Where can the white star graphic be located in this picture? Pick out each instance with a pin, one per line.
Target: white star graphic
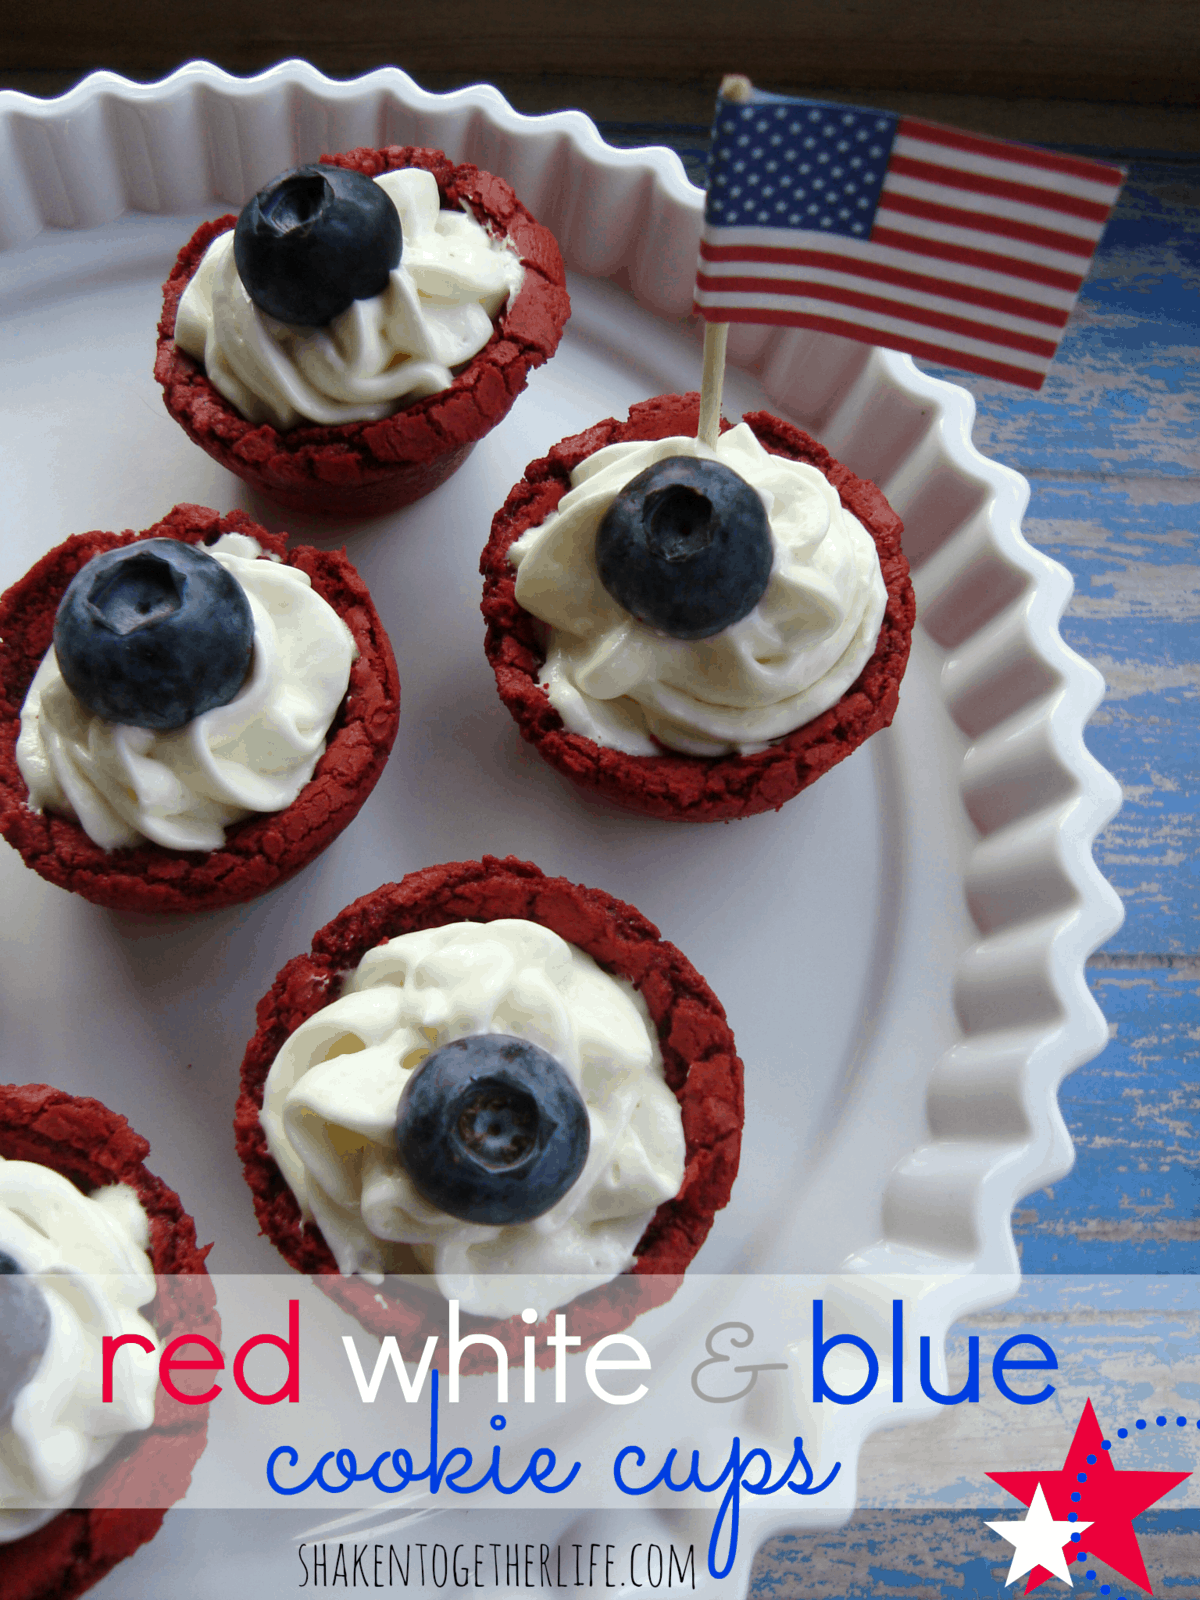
(1038, 1540)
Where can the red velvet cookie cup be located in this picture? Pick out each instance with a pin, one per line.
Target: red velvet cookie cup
(679, 787)
(264, 849)
(361, 469)
(699, 1057)
(93, 1146)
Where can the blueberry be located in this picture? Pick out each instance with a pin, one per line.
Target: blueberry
(24, 1331)
(153, 634)
(686, 547)
(490, 1129)
(313, 241)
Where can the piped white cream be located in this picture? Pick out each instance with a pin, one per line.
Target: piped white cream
(435, 314)
(621, 683)
(182, 789)
(331, 1097)
(89, 1254)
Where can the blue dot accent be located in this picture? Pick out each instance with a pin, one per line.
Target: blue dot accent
(498, 1423)
(1078, 1554)
(1104, 1588)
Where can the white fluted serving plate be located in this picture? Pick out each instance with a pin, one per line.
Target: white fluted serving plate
(901, 949)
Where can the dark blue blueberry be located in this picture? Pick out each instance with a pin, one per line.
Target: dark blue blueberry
(154, 634)
(490, 1129)
(686, 547)
(24, 1331)
(313, 241)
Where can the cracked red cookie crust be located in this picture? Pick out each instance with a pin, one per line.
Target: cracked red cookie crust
(690, 788)
(93, 1146)
(362, 469)
(264, 849)
(699, 1059)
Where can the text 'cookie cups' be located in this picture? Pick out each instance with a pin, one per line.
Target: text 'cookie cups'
(360, 469)
(93, 1147)
(266, 847)
(700, 1066)
(671, 785)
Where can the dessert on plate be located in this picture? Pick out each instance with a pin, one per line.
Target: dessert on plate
(506, 1082)
(345, 341)
(190, 714)
(90, 1243)
(696, 634)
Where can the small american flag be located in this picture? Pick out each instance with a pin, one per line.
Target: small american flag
(897, 232)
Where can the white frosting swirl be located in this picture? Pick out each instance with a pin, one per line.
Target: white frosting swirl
(184, 788)
(435, 314)
(623, 684)
(90, 1256)
(329, 1112)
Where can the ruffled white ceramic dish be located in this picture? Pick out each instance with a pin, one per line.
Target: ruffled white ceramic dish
(901, 950)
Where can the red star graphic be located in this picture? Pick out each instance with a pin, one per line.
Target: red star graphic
(1108, 1499)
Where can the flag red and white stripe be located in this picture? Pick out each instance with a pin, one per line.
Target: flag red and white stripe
(977, 250)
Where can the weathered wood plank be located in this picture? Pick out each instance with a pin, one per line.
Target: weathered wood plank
(933, 1554)
(1110, 446)
(1122, 400)
(1110, 51)
(1136, 562)
(1132, 1203)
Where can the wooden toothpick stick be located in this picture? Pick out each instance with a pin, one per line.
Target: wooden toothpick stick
(711, 382)
(736, 87)
(716, 334)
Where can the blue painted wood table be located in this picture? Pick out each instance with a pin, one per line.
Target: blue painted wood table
(1109, 446)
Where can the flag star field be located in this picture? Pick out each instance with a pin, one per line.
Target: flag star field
(814, 167)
